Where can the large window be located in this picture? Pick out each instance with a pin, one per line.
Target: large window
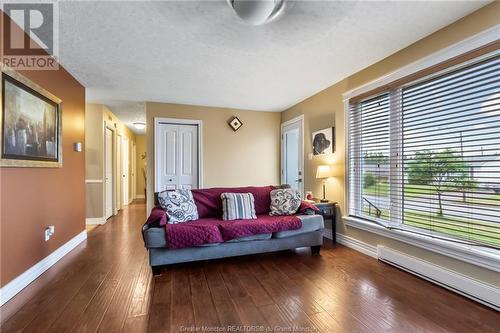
(425, 156)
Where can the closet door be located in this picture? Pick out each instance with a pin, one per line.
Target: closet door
(176, 160)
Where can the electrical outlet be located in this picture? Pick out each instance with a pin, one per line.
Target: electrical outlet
(49, 231)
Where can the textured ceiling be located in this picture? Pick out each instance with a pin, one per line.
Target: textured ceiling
(199, 52)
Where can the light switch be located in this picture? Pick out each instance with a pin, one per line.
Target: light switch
(78, 146)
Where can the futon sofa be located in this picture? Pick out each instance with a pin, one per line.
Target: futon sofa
(210, 237)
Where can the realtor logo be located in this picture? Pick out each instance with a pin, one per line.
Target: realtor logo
(29, 34)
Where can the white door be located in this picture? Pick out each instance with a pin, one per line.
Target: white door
(125, 180)
(108, 172)
(119, 182)
(292, 153)
(176, 156)
(133, 160)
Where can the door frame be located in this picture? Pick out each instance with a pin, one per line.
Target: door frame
(113, 170)
(177, 121)
(301, 150)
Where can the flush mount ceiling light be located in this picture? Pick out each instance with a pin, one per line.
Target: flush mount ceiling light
(139, 126)
(257, 12)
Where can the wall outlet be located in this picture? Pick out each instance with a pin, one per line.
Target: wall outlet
(49, 231)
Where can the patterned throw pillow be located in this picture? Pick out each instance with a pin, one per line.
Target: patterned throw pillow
(238, 206)
(284, 201)
(179, 205)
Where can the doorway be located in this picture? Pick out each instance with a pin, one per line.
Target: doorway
(292, 153)
(178, 154)
(108, 172)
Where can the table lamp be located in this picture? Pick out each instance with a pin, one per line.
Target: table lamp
(323, 172)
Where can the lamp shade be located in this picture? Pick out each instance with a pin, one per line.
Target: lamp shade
(323, 171)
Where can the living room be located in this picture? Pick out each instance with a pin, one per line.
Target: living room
(242, 165)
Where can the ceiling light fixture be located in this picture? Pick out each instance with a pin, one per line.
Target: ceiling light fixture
(139, 126)
(257, 12)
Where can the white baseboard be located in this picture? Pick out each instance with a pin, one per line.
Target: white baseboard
(95, 220)
(357, 245)
(461, 284)
(140, 196)
(19, 283)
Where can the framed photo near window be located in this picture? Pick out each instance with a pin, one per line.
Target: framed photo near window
(323, 141)
(30, 124)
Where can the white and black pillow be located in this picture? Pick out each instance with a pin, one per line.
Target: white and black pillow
(284, 201)
(238, 206)
(179, 205)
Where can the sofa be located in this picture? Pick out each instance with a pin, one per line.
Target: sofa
(277, 233)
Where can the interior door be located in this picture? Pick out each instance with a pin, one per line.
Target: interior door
(125, 171)
(176, 160)
(133, 161)
(108, 172)
(119, 162)
(292, 153)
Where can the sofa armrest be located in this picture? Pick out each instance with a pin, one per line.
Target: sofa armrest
(154, 237)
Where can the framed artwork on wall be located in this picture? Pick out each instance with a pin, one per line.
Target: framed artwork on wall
(323, 141)
(31, 132)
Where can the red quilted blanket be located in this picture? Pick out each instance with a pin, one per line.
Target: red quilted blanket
(215, 230)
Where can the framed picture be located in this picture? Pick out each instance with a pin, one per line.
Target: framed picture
(235, 123)
(30, 124)
(323, 141)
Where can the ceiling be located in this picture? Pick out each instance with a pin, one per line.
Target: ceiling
(200, 53)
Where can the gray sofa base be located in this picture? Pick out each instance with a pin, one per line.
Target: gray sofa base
(163, 256)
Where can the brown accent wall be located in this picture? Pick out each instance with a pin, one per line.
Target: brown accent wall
(33, 198)
(326, 108)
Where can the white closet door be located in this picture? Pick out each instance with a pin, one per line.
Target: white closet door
(176, 157)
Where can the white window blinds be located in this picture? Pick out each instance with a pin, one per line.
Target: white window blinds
(425, 157)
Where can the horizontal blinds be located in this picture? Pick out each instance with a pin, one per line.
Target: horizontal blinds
(451, 153)
(369, 135)
(425, 157)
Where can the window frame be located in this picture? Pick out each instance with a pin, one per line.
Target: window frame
(482, 257)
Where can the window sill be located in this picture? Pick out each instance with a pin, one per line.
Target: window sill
(478, 257)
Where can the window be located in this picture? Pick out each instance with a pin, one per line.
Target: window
(424, 157)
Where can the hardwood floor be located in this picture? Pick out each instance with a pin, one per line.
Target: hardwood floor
(106, 285)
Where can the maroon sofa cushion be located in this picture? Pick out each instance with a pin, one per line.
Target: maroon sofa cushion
(209, 203)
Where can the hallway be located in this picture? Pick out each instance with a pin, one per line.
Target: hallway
(105, 285)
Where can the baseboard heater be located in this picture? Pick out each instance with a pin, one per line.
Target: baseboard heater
(479, 291)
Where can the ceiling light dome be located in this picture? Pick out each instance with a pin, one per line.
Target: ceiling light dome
(257, 12)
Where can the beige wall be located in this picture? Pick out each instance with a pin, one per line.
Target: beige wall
(249, 156)
(326, 109)
(141, 165)
(98, 116)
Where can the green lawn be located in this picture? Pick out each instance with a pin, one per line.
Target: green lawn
(464, 228)
(382, 189)
(485, 232)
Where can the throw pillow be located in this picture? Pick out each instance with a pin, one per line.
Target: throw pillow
(284, 201)
(179, 205)
(238, 206)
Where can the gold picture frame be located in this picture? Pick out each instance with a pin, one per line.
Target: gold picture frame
(52, 148)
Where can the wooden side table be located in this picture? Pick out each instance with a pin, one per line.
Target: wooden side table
(327, 210)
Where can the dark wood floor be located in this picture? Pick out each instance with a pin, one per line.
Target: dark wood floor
(106, 285)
